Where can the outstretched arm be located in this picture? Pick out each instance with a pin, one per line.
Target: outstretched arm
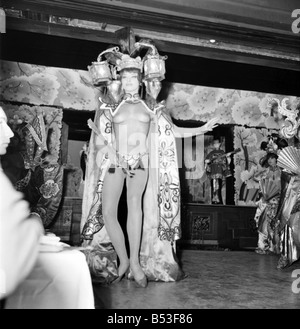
(180, 132)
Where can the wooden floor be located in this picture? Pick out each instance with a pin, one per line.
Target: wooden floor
(215, 279)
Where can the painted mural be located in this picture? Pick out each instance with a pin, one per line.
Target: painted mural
(238, 107)
(246, 162)
(73, 89)
(41, 85)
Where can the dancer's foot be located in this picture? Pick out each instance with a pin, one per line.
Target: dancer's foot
(139, 276)
(122, 271)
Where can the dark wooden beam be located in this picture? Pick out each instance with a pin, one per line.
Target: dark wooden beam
(264, 38)
(125, 38)
(156, 11)
(253, 58)
(59, 30)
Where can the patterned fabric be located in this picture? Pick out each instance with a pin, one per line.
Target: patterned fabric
(49, 183)
(266, 213)
(161, 203)
(33, 161)
(289, 219)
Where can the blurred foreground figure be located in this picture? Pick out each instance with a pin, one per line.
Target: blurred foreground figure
(20, 231)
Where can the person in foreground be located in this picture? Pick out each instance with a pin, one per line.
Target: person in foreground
(20, 230)
(140, 149)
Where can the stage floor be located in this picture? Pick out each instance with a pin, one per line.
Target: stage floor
(215, 279)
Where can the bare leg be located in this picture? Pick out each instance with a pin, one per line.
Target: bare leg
(135, 188)
(112, 190)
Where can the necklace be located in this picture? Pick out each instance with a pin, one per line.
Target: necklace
(129, 98)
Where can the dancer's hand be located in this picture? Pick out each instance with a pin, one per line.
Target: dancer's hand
(211, 124)
(128, 172)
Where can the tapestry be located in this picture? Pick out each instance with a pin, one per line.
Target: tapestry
(32, 161)
(20, 115)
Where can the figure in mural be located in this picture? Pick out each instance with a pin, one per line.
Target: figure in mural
(217, 169)
(140, 150)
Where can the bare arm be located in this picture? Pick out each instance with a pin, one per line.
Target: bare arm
(180, 132)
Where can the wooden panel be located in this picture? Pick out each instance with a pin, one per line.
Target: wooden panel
(258, 15)
(229, 226)
(233, 12)
(59, 30)
(63, 221)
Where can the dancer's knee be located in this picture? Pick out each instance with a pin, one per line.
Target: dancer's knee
(134, 200)
(109, 215)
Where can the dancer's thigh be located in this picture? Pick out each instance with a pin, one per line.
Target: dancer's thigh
(136, 184)
(112, 190)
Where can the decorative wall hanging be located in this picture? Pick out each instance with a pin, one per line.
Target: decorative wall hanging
(32, 160)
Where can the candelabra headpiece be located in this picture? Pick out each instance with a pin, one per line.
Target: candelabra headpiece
(105, 72)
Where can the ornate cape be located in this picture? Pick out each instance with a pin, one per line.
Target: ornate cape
(161, 202)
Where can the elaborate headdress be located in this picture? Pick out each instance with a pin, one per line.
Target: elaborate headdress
(105, 72)
(127, 62)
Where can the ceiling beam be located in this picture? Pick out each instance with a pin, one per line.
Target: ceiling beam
(121, 14)
(253, 57)
(60, 30)
(164, 42)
